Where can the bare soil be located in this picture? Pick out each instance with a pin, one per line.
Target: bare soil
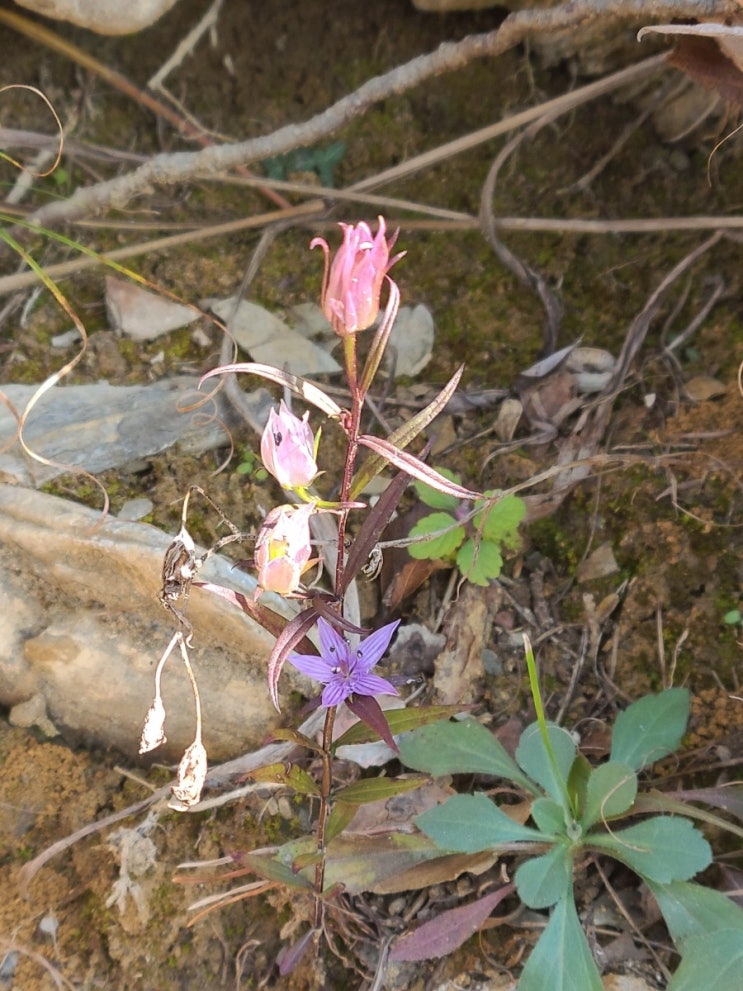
(672, 517)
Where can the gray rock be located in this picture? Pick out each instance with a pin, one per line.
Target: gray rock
(81, 627)
(100, 426)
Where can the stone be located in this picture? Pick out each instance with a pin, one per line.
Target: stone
(81, 627)
(102, 16)
(100, 426)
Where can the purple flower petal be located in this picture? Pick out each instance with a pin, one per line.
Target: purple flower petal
(373, 647)
(313, 666)
(335, 692)
(372, 684)
(332, 645)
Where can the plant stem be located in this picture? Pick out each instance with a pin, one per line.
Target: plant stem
(326, 782)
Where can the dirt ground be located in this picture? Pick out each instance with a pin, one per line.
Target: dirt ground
(671, 514)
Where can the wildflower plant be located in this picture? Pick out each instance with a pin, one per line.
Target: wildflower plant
(286, 560)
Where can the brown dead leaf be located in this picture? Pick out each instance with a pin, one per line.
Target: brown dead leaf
(703, 60)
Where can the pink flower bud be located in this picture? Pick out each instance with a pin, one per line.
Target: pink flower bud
(283, 548)
(288, 448)
(353, 282)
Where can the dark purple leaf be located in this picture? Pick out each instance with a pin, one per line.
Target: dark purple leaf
(287, 640)
(447, 931)
(370, 712)
(371, 529)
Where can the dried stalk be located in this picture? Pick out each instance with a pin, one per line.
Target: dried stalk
(169, 169)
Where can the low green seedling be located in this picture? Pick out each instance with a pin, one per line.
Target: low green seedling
(577, 809)
(475, 547)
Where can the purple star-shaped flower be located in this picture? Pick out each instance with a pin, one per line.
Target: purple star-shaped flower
(343, 669)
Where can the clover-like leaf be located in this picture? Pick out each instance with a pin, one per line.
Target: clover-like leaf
(500, 522)
(434, 498)
(479, 561)
(438, 535)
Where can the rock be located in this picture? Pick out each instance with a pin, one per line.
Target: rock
(100, 426)
(103, 16)
(143, 315)
(80, 627)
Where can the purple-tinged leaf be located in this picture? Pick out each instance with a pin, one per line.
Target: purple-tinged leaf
(331, 615)
(290, 956)
(287, 640)
(729, 797)
(401, 437)
(447, 932)
(308, 391)
(415, 467)
(370, 712)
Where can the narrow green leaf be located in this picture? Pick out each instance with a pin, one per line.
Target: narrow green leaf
(480, 562)
(610, 791)
(287, 774)
(274, 870)
(377, 789)
(500, 523)
(713, 962)
(435, 499)
(340, 816)
(533, 757)
(562, 959)
(470, 823)
(463, 747)
(400, 721)
(543, 881)
(693, 910)
(650, 728)
(438, 536)
(663, 848)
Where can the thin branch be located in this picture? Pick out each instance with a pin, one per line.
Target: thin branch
(168, 169)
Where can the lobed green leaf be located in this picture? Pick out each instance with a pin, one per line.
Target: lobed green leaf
(562, 959)
(664, 848)
(438, 536)
(470, 823)
(543, 881)
(650, 728)
(462, 747)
